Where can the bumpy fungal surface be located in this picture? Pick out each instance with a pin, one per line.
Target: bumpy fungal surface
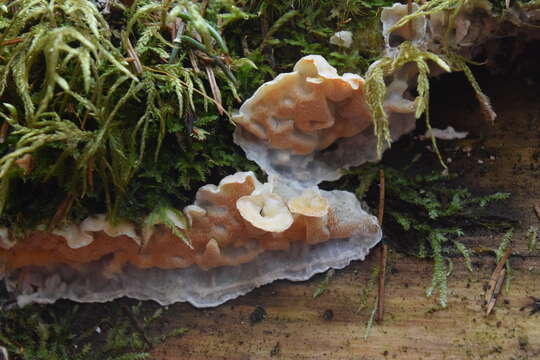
(415, 31)
(241, 234)
(308, 125)
(306, 110)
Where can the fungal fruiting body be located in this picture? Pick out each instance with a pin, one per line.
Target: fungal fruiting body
(301, 128)
(308, 125)
(239, 235)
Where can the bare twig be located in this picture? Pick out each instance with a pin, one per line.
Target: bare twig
(380, 213)
(133, 54)
(409, 11)
(536, 208)
(215, 89)
(61, 211)
(383, 252)
(11, 41)
(496, 280)
(496, 290)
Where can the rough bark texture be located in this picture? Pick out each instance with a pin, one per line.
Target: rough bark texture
(297, 326)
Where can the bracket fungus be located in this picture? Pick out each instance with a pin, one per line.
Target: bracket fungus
(265, 210)
(301, 128)
(308, 125)
(415, 31)
(242, 233)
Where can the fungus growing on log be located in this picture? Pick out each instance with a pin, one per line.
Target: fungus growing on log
(301, 128)
(308, 125)
(240, 223)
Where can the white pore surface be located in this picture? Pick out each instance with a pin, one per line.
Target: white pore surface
(199, 287)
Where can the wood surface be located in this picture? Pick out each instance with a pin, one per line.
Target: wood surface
(504, 157)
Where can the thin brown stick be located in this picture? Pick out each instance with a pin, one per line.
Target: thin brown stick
(496, 291)
(133, 54)
(495, 281)
(383, 252)
(216, 93)
(382, 275)
(380, 213)
(11, 41)
(537, 210)
(61, 211)
(409, 11)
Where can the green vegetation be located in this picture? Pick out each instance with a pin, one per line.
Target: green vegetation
(126, 112)
(324, 284)
(98, 130)
(426, 215)
(70, 332)
(449, 60)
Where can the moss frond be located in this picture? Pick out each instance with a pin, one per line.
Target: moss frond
(376, 87)
(430, 8)
(423, 210)
(94, 126)
(172, 219)
(459, 63)
(532, 238)
(375, 95)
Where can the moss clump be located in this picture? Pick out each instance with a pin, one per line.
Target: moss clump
(110, 121)
(67, 332)
(125, 111)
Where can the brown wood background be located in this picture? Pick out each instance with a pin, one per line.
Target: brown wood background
(414, 326)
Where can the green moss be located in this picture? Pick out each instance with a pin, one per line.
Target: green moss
(121, 115)
(426, 214)
(67, 332)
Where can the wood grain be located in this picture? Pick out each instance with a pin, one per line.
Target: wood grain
(504, 157)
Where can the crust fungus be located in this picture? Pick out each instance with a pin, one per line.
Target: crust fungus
(308, 125)
(243, 234)
(415, 31)
(306, 110)
(310, 203)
